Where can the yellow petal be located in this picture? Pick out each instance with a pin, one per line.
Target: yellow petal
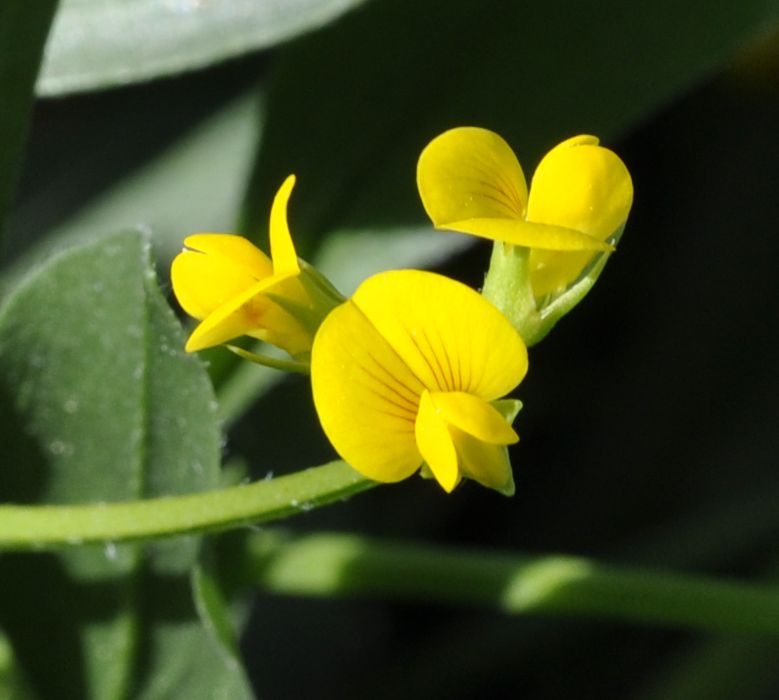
(468, 173)
(581, 185)
(552, 272)
(282, 324)
(475, 416)
(285, 259)
(449, 336)
(487, 464)
(240, 315)
(435, 443)
(213, 268)
(529, 235)
(365, 395)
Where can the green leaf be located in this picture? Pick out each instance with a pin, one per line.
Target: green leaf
(213, 609)
(12, 685)
(23, 29)
(99, 403)
(143, 39)
(180, 655)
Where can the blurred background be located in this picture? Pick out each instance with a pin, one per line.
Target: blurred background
(649, 427)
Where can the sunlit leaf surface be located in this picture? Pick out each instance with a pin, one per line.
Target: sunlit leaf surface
(97, 44)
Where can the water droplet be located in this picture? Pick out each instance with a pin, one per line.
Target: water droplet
(110, 551)
(60, 448)
(36, 360)
(71, 405)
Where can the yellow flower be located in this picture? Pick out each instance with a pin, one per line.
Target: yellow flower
(412, 369)
(234, 289)
(470, 181)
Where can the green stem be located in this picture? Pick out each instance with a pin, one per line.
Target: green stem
(36, 527)
(507, 286)
(339, 564)
(272, 362)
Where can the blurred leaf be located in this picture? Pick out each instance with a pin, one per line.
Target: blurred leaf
(213, 610)
(534, 72)
(99, 403)
(181, 656)
(23, 29)
(97, 44)
(196, 184)
(348, 257)
(12, 686)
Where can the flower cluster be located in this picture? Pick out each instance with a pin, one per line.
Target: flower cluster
(412, 371)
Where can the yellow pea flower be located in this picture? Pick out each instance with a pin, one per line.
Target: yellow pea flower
(552, 241)
(412, 369)
(235, 289)
(470, 181)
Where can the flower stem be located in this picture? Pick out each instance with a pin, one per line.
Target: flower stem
(507, 286)
(38, 527)
(272, 362)
(332, 564)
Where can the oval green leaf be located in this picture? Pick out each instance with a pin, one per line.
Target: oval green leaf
(99, 403)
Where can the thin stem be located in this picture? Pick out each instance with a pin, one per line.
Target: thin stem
(37, 527)
(272, 362)
(339, 564)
